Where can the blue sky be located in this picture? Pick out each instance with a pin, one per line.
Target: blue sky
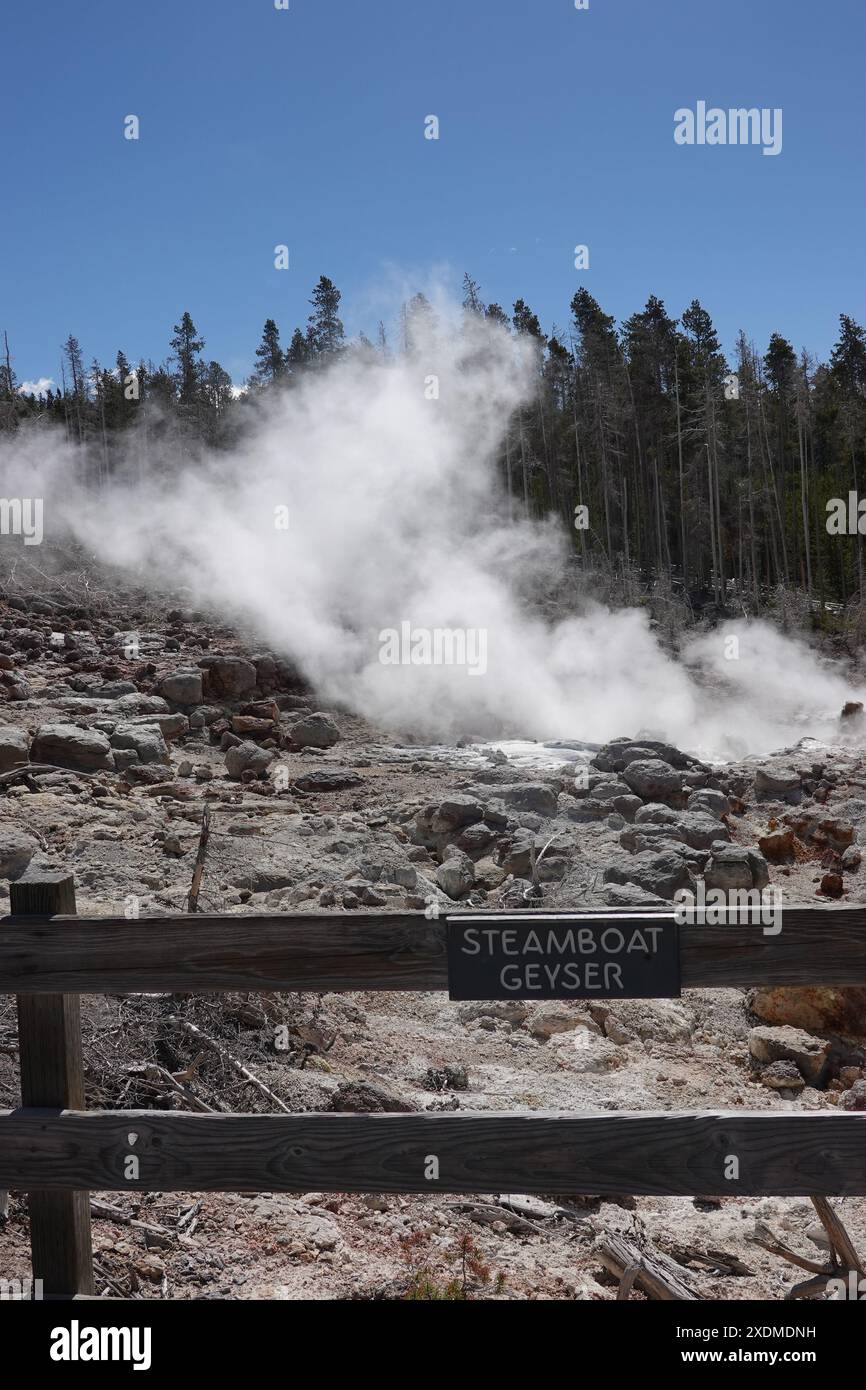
(306, 127)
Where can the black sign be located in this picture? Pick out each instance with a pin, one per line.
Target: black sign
(562, 957)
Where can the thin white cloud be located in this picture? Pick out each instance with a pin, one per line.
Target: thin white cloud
(36, 388)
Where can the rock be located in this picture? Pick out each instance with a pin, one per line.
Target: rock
(262, 709)
(362, 1097)
(125, 758)
(456, 875)
(855, 1098)
(851, 859)
(616, 755)
(735, 866)
(267, 673)
(248, 726)
(653, 780)
(146, 740)
(476, 839)
(327, 780)
(661, 874)
(14, 746)
(815, 1008)
(531, 796)
(712, 802)
(510, 1011)
(67, 745)
(777, 846)
(454, 812)
(653, 1020)
(315, 731)
(154, 775)
(852, 709)
(169, 725)
(17, 848)
(777, 786)
(782, 1076)
(296, 1221)
(558, 1018)
(182, 687)
(227, 677)
(695, 828)
(810, 1055)
(838, 833)
(247, 757)
(629, 895)
(832, 885)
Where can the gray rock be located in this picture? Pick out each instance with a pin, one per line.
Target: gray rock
(627, 806)
(125, 758)
(14, 745)
(316, 730)
(247, 757)
(362, 1097)
(146, 739)
(694, 828)
(531, 796)
(782, 1076)
(810, 1055)
(734, 866)
(326, 780)
(653, 780)
(456, 875)
(777, 785)
(661, 874)
(69, 746)
(584, 812)
(17, 848)
(227, 677)
(712, 802)
(182, 687)
(629, 895)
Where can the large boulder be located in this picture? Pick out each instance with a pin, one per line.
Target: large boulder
(653, 780)
(182, 687)
(227, 677)
(247, 757)
(772, 784)
(530, 796)
(14, 746)
(711, 802)
(661, 874)
(456, 875)
(67, 745)
(815, 1008)
(695, 828)
(316, 730)
(17, 848)
(810, 1055)
(327, 779)
(735, 866)
(145, 739)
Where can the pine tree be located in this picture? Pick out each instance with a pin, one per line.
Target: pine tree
(186, 346)
(270, 359)
(325, 332)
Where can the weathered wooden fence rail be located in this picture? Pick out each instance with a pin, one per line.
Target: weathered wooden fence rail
(379, 951)
(671, 1153)
(58, 1152)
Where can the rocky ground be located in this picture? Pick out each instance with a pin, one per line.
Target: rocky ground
(123, 719)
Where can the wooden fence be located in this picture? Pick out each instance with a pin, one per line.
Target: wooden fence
(58, 1152)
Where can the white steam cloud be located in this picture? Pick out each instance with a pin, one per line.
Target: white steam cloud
(391, 521)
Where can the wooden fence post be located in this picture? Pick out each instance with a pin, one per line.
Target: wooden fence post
(52, 1076)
